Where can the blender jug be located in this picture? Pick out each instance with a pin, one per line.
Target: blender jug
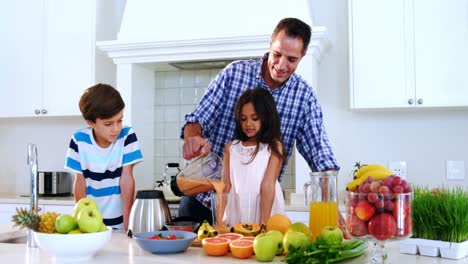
(321, 195)
(200, 175)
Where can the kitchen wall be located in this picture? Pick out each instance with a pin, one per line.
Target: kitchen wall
(424, 138)
(50, 134)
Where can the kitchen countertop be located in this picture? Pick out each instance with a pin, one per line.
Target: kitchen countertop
(122, 249)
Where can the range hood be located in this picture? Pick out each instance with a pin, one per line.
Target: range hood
(171, 35)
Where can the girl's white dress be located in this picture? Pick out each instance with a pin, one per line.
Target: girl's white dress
(246, 180)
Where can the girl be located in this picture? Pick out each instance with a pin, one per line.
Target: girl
(255, 156)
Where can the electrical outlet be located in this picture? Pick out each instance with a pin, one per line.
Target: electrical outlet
(455, 169)
(398, 168)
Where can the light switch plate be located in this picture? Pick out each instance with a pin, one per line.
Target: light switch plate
(455, 169)
(398, 168)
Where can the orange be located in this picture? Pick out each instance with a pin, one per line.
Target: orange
(278, 222)
(215, 246)
(249, 238)
(241, 248)
(231, 236)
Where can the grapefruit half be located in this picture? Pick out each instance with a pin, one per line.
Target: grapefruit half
(216, 246)
(241, 249)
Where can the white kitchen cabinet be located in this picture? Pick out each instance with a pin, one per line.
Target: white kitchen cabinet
(69, 52)
(48, 56)
(408, 53)
(21, 53)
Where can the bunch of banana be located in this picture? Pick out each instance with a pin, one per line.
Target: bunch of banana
(376, 171)
(206, 230)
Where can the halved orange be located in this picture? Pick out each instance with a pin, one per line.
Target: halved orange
(216, 246)
(231, 236)
(241, 248)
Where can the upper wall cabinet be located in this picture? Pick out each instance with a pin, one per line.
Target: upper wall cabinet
(48, 56)
(408, 53)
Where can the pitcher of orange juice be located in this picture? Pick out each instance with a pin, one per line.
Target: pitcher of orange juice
(321, 195)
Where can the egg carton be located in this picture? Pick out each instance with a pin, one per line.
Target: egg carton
(434, 248)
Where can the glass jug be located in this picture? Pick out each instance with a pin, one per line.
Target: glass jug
(200, 175)
(321, 195)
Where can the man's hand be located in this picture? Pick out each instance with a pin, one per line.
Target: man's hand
(194, 147)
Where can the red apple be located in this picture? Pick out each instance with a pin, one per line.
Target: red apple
(382, 226)
(356, 226)
(364, 210)
(400, 210)
(404, 228)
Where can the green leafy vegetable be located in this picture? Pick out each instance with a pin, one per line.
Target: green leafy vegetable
(321, 252)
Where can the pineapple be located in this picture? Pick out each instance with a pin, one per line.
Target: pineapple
(26, 219)
(47, 223)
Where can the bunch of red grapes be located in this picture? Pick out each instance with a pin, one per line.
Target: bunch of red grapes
(381, 209)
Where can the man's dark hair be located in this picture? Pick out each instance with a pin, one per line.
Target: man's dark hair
(294, 28)
(100, 101)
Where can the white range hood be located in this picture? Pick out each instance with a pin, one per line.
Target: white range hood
(154, 34)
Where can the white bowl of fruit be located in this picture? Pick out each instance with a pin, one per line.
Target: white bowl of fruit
(76, 237)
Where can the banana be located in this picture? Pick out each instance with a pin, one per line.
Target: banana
(203, 230)
(371, 167)
(377, 174)
(352, 185)
(212, 232)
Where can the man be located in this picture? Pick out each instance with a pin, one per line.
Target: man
(212, 124)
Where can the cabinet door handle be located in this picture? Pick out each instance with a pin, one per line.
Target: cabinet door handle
(410, 101)
(44, 111)
(420, 101)
(37, 111)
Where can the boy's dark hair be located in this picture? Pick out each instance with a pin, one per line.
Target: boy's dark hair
(294, 28)
(100, 101)
(265, 106)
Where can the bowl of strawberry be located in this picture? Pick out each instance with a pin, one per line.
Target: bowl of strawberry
(164, 242)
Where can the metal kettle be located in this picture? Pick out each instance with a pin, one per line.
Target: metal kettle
(149, 212)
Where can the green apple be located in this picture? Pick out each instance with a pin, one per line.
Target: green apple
(89, 220)
(295, 239)
(300, 227)
(265, 247)
(278, 236)
(65, 223)
(76, 231)
(332, 235)
(82, 203)
(103, 227)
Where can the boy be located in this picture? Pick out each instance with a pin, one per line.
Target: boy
(103, 155)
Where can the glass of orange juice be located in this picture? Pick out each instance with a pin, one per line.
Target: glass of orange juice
(321, 195)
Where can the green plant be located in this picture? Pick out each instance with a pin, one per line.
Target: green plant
(440, 214)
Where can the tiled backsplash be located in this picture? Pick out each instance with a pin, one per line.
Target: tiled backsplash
(178, 93)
